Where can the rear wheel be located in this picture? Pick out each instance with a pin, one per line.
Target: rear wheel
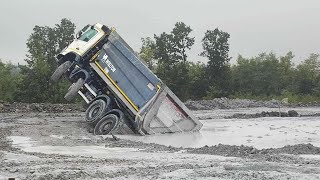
(74, 88)
(95, 111)
(106, 125)
(60, 71)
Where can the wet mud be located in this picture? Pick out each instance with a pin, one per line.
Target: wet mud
(59, 146)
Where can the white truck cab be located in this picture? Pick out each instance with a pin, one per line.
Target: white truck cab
(85, 40)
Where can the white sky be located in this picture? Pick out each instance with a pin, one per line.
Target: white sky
(255, 26)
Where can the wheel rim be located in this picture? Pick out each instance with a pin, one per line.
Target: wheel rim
(107, 127)
(95, 112)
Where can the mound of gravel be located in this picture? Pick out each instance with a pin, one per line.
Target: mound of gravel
(38, 107)
(291, 113)
(225, 103)
(245, 151)
(296, 149)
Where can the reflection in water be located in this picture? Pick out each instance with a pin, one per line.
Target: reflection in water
(187, 139)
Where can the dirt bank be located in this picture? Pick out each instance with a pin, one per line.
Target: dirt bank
(226, 103)
(15, 107)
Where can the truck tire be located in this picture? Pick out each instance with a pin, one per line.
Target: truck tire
(73, 89)
(60, 71)
(106, 125)
(96, 111)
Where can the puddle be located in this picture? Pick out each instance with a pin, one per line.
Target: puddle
(259, 133)
(27, 145)
(21, 141)
(57, 136)
(112, 153)
(20, 157)
(310, 156)
(97, 151)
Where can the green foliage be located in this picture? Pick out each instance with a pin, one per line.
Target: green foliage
(147, 52)
(258, 75)
(270, 77)
(264, 77)
(307, 76)
(197, 81)
(10, 77)
(216, 49)
(265, 74)
(170, 52)
(43, 44)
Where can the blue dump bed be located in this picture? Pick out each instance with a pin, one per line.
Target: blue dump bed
(142, 94)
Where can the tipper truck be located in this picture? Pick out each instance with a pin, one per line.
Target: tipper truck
(122, 93)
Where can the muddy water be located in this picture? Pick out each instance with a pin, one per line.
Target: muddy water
(100, 151)
(259, 133)
(221, 113)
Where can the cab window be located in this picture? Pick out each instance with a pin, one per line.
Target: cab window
(88, 35)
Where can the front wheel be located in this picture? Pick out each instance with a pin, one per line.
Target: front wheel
(74, 88)
(106, 125)
(60, 71)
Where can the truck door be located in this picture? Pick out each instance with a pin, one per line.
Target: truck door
(88, 39)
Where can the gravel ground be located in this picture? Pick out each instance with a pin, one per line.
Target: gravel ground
(226, 103)
(58, 146)
(217, 103)
(14, 107)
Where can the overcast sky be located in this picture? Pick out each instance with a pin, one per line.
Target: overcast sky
(255, 26)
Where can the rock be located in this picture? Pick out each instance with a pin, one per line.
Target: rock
(90, 130)
(285, 101)
(115, 137)
(254, 151)
(293, 113)
(13, 170)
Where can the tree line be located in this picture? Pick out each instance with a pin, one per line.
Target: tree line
(264, 76)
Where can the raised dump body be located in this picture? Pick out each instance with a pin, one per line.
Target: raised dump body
(122, 92)
(152, 103)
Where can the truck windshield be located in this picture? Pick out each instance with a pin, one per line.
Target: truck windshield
(88, 35)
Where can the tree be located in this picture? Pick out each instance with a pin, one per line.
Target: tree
(308, 76)
(43, 44)
(164, 56)
(197, 81)
(147, 52)
(181, 41)
(286, 69)
(170, 52)
(264, 75)
(8, 82)
(216, 49)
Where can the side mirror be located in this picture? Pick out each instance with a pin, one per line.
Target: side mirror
(78, 35)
